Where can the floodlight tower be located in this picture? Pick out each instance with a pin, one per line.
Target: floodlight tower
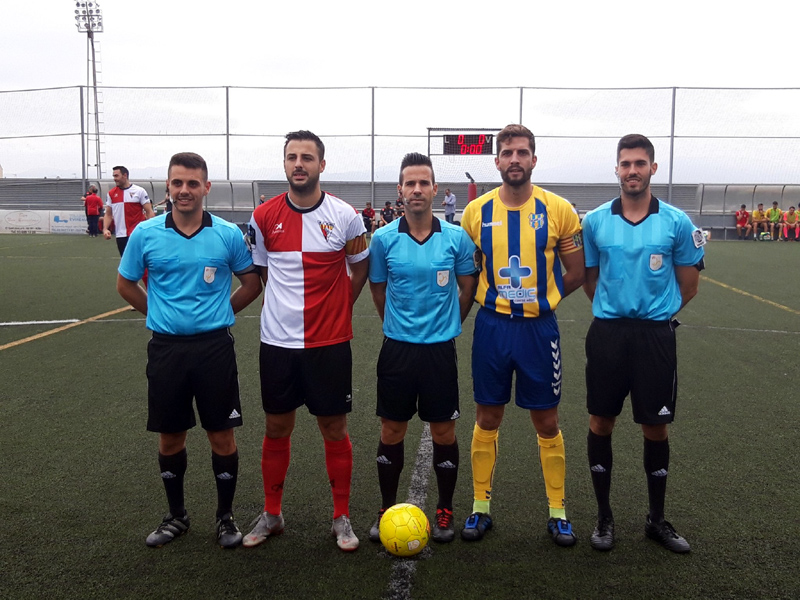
(89, 20)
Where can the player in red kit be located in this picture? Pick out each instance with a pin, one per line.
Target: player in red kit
(305, 241)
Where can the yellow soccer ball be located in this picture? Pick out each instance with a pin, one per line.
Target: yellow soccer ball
(404, 530)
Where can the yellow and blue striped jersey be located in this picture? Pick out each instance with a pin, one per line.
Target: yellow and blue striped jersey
(521, 270)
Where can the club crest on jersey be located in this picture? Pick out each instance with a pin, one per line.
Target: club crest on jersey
(326, 228)
(209, 273)
(536, 221)
(442, 278)
(656, 260)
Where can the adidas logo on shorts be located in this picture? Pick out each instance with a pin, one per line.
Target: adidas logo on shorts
(664, 412)
(235, 414)
(597, 469)
(659, 473)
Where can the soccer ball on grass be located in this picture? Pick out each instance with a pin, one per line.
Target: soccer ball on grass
(404, 530)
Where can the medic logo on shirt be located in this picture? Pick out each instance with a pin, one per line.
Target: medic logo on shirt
(656, 260)
(209, 273)
(326, 228)
(536, 221)
(442, 278)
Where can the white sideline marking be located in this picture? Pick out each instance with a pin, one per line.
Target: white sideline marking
(12, 323)
(62, 328)
(399, 587)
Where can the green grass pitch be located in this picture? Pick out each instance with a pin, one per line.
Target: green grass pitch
(80, 487)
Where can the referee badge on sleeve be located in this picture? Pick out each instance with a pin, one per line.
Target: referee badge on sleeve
(656, 260)
(698, 238)
(209, 273)
(442, 278)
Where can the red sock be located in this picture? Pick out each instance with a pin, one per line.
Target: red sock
(275, 454)
(339, 462)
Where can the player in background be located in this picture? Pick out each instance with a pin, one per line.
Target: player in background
(422, 275)
(526, 234)
(304, 240)
(368, 214)
(774, 216)
(189, 306)
(643, 263)
(449, 204)
(743, 225)
(791, 222)
(127, 205)
(94, 207)
(759, 221)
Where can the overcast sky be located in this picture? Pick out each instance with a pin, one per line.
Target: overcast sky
(705, 43)
(610, 44)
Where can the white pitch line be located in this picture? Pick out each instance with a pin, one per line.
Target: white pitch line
(13, 323)
(399, 587)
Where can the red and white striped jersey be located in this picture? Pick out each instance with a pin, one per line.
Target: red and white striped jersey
(127, 208)
(308, 300)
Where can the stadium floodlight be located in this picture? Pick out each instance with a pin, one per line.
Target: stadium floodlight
(88, 17)
(471, 180)
(89, 20)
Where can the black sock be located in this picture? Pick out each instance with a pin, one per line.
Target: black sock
(656, 466)
(445, 465)
(173, 468)
(226, 471)
(601, 460)
(390, 464)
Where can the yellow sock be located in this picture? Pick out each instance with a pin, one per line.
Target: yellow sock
(484, 458)
(553, 459)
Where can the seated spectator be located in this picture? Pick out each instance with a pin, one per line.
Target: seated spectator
(774, 216)
(368, 214)
(791, 222)
(743, 222)
(759, 220)
(387, 214)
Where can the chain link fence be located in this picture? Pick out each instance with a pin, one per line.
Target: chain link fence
(702, 136)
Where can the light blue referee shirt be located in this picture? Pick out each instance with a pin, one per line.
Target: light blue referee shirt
(637, 261)
(421, 288)
(189, 278)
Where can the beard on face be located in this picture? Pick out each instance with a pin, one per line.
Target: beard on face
(644, 182)
(526, 177)
(307, 186)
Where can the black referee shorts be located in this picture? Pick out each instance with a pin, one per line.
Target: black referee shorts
(414, 377)
(636, 357)
(183, 367)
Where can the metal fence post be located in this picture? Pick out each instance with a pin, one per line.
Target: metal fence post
(372, 152)
(83, 146)
(671, 146)
(228, 134)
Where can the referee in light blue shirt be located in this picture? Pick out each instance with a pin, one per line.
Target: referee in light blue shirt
(190, 256)
(643, 262)
(422, 278)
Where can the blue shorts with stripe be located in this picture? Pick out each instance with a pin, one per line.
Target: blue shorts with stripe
(530, 347)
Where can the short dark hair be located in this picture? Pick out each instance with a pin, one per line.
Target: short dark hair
(121, 169)
(636, 140)
(415, 159)
(304, 135)
(190, 160)
(512, 131)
